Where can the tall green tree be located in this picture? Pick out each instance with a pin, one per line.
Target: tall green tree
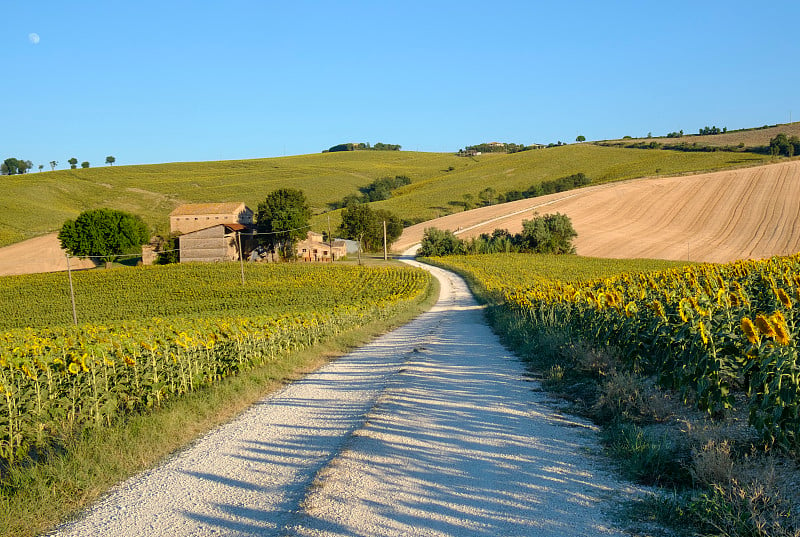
(73, 163)
(283, 218)
(53, 164)
(358, 221)
(85, 164)
(104, 233)
(10, 166)
(361, 223)
(110, 160)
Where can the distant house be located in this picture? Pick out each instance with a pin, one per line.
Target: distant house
(313, 248)
(196, 216)
(218, 242)
(496, 144)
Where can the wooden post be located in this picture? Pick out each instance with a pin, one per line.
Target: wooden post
(72, 293)
(385, 257)
(241, 253)
(330, 239)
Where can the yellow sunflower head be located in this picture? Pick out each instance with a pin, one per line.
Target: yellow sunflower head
(784, 298)
(750, 331)
(763, 325)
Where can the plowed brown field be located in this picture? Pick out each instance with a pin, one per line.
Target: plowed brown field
(41, 254)
(714, 217)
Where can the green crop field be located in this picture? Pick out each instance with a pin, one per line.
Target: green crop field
(39, 203)
(152, 333)
(500, 272)
(193, 290)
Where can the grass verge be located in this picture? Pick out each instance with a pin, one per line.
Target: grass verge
(36, 497)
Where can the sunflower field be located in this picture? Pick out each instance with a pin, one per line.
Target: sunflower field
(57, 378)
(724, 335)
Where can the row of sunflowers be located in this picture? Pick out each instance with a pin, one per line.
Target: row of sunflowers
(62, 378)
(724, 335)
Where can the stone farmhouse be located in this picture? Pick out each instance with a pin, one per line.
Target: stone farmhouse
(313, 248)
(194, 216)
(212, 231)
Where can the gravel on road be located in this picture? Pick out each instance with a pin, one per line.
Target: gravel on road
(432, 429)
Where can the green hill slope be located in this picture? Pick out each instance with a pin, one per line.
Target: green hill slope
(38, 203)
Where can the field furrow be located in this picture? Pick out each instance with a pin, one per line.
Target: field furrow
(714, 217)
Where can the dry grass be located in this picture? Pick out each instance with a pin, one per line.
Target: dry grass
(749, 137)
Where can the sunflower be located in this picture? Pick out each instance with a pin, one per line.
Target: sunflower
(763, 325)
(750, 331)
(658, 308)
(778, 323)
(784, 298)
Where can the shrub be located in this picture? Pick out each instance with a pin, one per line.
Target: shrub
(648, 459)
(436, 242)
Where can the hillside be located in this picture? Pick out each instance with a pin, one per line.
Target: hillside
(751, 138)
(38, 203)
(713, 217)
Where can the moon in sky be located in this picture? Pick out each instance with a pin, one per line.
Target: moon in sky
(33, 38)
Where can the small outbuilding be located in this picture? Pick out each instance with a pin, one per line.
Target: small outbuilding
(215, 243)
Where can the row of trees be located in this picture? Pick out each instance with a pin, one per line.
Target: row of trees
(547, 234)
(380, 146)
(712, 130)
(489, 196)
(506, 147)
(378, 190)
(14, 166)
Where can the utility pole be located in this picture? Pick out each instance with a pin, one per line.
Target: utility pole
(241, 253)
(385, 257)
(72, 293)
(330, 239)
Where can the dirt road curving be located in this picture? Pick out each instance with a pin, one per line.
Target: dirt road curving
(432, 429)
(713, 217)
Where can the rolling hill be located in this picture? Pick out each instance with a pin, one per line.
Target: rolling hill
(38, 203)
(748, 138)
(713, 217)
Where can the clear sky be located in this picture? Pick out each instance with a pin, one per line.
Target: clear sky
(163, 81)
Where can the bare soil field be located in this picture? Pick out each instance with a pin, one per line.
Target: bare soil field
(41, 254)
(714, 217)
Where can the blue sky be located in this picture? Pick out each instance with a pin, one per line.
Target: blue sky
(165, 81)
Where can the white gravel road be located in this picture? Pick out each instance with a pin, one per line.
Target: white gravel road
(430, 430)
